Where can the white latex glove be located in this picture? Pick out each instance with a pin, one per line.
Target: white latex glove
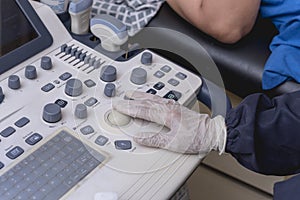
(190, 132)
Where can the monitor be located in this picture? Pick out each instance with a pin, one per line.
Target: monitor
(22, 33)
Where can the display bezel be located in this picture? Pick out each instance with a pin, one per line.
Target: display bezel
(31, 48)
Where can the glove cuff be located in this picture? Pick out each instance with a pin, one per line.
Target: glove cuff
(221, 133)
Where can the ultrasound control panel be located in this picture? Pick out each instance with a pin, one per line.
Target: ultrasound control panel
(60, 137)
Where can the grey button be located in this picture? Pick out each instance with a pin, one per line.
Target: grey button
(101, 140)
(33, 139)
(14, 82)
(166, 68)
(159, 74)
(91, 101)
(15, 152)
(123, 144)
(181, 75)
(87, 130)
(159, 86)
(138, 76)
(65, 76)
(22, 122)
(173, 82)
(8, 131)
(48, 87)
(89, 83)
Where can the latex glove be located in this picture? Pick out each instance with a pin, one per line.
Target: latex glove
(190, 132)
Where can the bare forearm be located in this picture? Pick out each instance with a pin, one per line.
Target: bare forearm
(225, 20)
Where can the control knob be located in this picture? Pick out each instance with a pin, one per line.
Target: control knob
(46, 63)
(146, 58)
(30, 72)
(108, 73)
(110, 90)
(73, 87)
(81, 111)
(138, 76)
(14, 82)
(52, 113)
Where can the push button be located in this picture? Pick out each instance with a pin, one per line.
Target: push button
(15, 152)
(173, 95)
(159, 86)
(101, 140)
(22, 122)
(33, 139)
(123, 144)
(89, 83)
(181, 76)
(159, 74)
(87, 130)
(91, 101)
(48, 87)
(1, 165)
(173, 82)
(166, 68)
(151, 91)
(65, 76)
(61, 103)
(8, 131)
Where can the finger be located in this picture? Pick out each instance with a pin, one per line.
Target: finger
(137, 95)
(148, 110)
(157, 140)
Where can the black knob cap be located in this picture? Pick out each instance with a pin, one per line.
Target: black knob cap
(14, 82)
(146, 58)
(73, 87)
(108, 73)
(46, 63)
(30, 72)
(52, 113)
(81, 111)
(138, 76)
(110, 90)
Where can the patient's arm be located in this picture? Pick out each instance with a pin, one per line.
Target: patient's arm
(226, 20)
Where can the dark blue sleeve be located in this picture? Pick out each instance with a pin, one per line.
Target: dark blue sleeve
(288, 189)
(264, 134)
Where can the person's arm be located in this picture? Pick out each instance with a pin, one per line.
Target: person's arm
(264, 134)
(226, 20)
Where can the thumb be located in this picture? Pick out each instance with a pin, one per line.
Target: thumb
(150, 139)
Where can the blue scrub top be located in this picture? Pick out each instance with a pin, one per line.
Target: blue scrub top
(263, 134)
(284, 63)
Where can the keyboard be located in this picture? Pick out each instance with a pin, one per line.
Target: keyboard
(51, 170)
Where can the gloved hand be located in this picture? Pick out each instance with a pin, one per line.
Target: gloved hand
(190, 132)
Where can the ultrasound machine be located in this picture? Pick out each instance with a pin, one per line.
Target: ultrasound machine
(59, 137)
